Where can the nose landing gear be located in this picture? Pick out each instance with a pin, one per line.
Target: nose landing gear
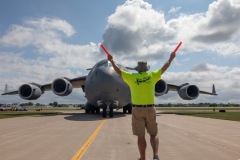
(107, 107)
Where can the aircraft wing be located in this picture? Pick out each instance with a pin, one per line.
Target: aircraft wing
(10, 93)
(6, 92)
(185, 91)
(78, 82)
(172, 87)
(204, 92)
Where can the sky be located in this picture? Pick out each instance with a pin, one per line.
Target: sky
(44, 40)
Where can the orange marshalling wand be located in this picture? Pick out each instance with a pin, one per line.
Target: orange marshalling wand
(177, 47)
(105, 50)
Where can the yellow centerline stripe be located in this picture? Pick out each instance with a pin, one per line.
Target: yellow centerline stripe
(82, 150)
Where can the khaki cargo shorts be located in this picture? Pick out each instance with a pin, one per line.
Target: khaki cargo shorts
(144, 117)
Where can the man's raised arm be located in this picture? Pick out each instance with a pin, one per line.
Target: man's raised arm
(116, 68)
(167, 64)
(172, 56)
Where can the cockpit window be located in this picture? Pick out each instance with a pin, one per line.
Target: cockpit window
(103, 63)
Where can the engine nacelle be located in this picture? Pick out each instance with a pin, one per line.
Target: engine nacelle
(188, 92)
(61, 87)
(160, 88)
(29, 92)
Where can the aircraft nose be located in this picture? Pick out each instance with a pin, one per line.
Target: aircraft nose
(103, 83)
(104, 75)
(107, 79)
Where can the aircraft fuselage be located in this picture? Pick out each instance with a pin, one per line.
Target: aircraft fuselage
(105, 85)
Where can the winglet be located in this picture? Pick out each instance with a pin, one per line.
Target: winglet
(5, 88)
(213, 90)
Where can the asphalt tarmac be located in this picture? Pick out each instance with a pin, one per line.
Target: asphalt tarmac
(62, 137)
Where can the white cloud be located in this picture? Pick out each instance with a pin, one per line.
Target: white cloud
(174, 9)
(36, 32)
(46, 36)
(17, 36)
(220, 23)
(134, 29)
(136, 26)
(46, 24)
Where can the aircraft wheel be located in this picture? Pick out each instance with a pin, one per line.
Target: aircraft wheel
(128, 108)
(130, 111)
(92, 110)
(104, 113)
(124, 110)
(111, 112)
(87, 111)
(98, 110)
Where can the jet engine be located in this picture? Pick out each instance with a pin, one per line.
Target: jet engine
(61, 87)
(160, 88)
(188, 92)
(29, 91)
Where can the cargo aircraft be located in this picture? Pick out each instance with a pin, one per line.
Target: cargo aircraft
(103, 88)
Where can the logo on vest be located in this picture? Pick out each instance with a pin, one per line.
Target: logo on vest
(143, 80)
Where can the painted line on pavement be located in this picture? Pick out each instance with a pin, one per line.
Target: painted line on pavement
(83, 149)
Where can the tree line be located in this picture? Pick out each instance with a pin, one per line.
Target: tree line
(56, 104)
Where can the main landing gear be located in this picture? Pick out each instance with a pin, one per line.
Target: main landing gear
(127, 108)
(91, 109)
(107, 107)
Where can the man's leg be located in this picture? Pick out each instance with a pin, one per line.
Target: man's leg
(142, 145)
(154, 143)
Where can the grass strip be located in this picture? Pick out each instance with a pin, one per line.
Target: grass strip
(12, 114)
(233, 116)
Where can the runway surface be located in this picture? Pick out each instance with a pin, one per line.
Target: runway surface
(60, 137)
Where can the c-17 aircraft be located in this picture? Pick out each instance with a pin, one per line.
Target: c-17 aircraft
(103, 88)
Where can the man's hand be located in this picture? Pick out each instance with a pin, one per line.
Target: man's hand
(109, 57)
